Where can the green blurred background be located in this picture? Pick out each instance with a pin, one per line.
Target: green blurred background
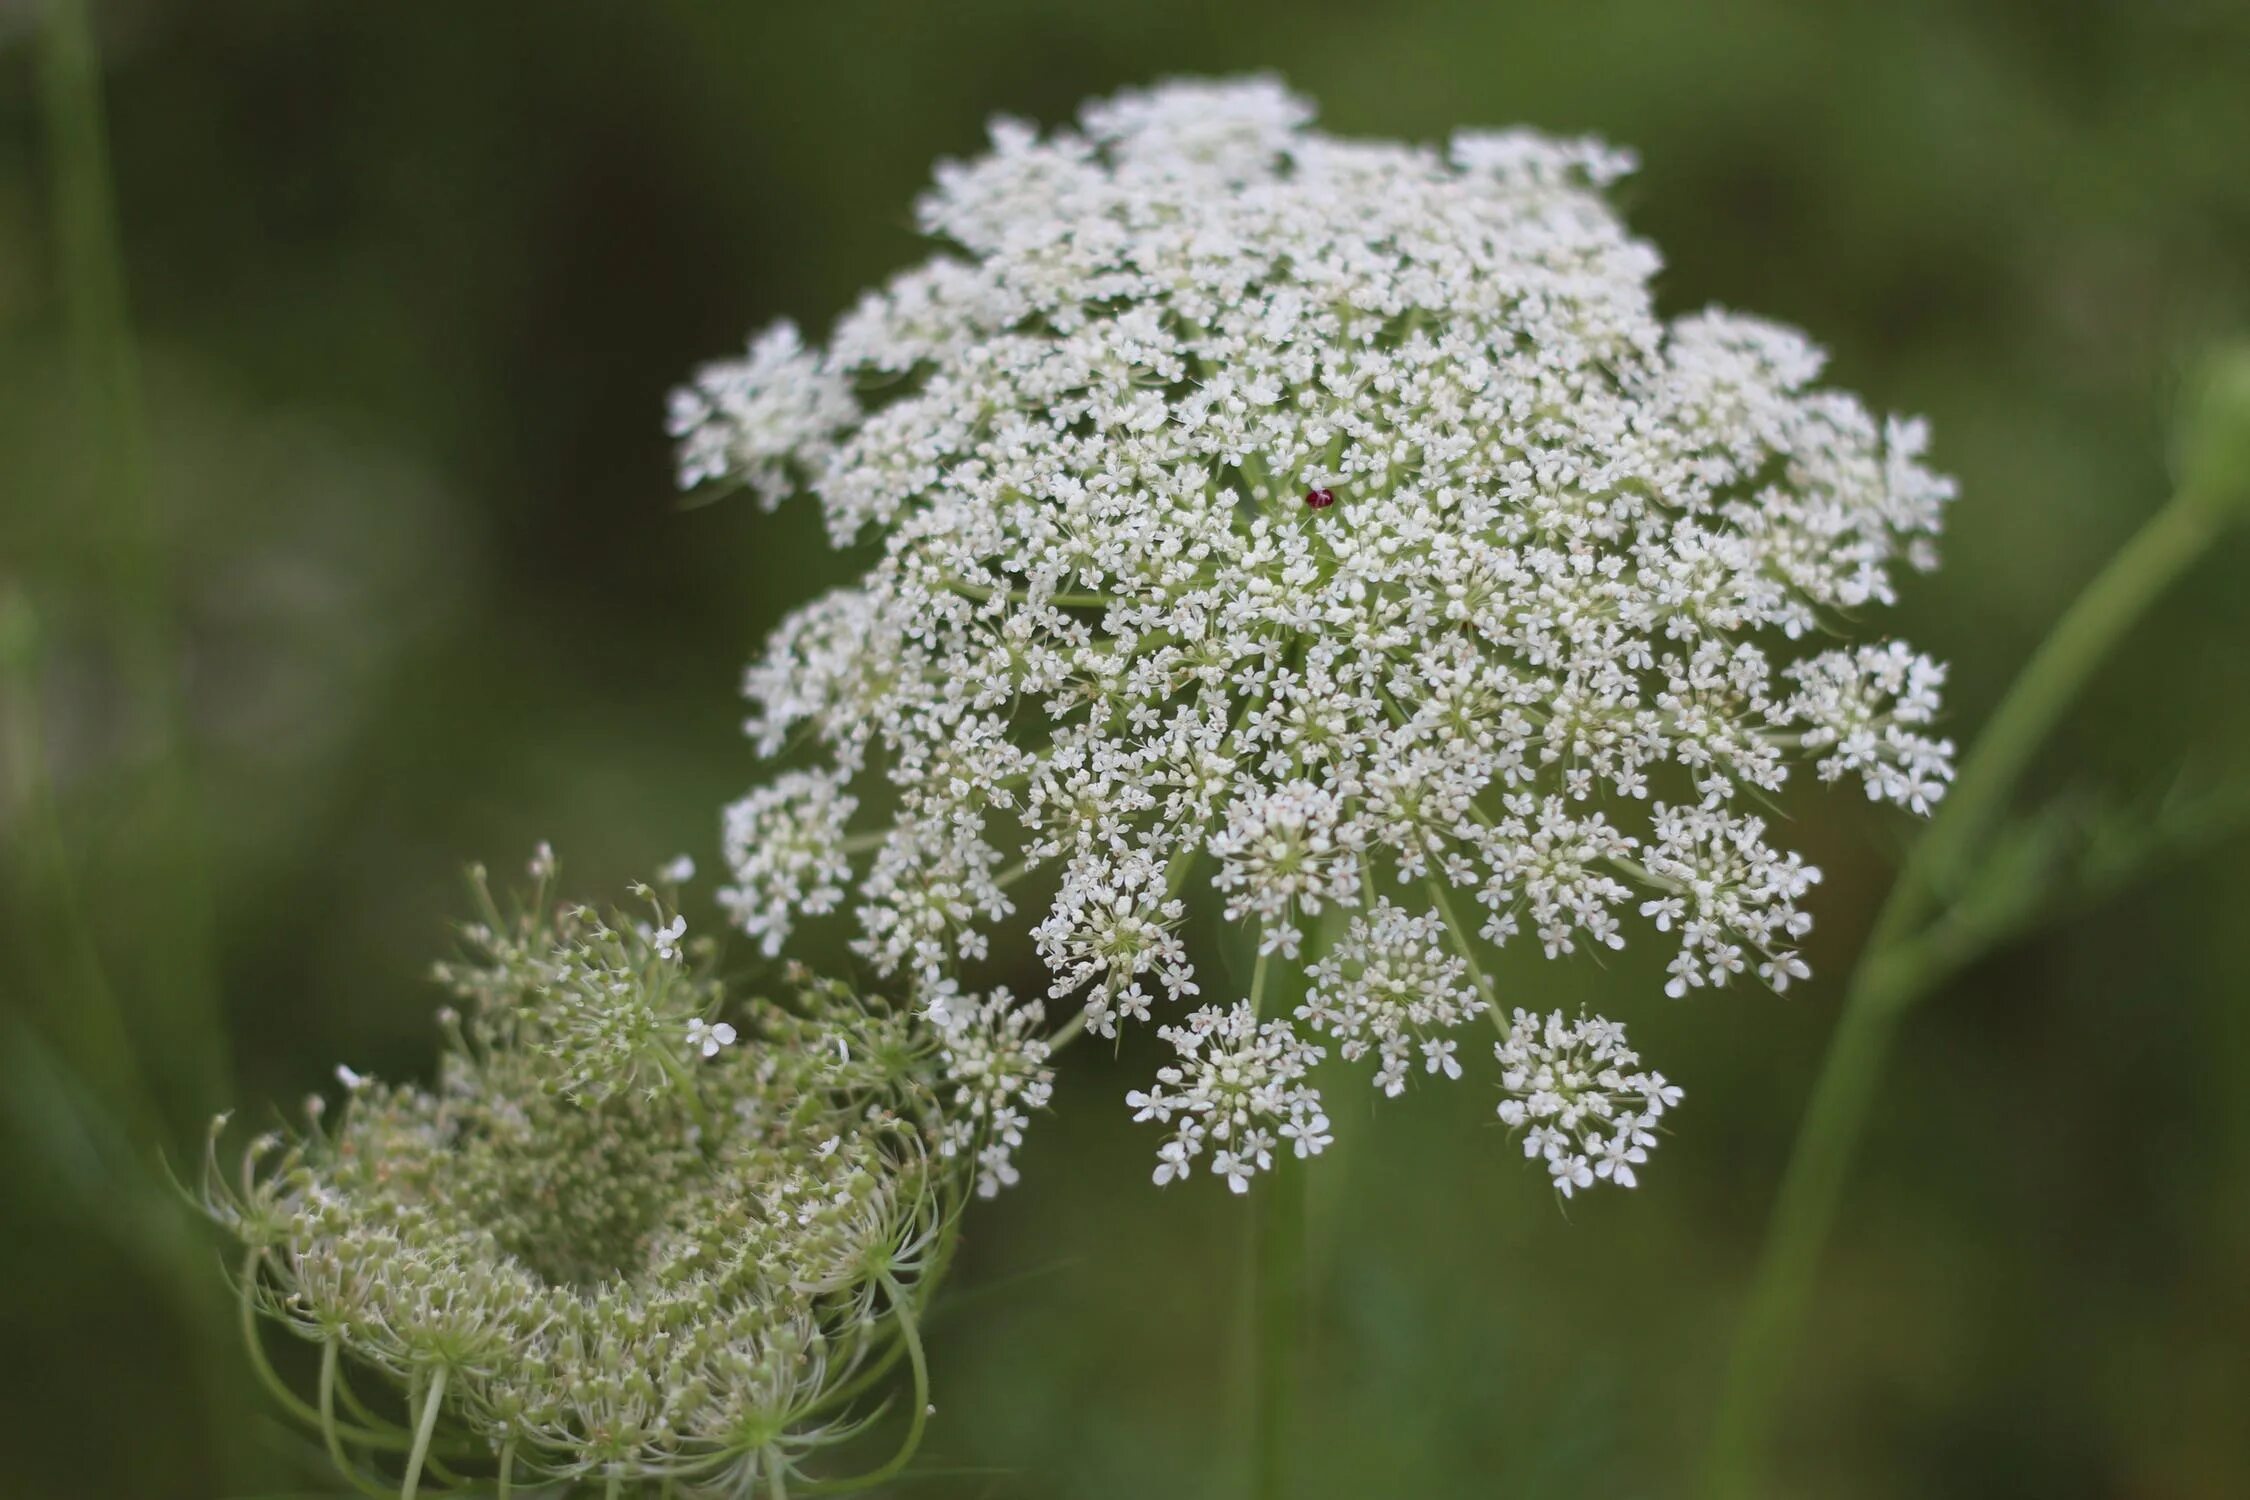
(410, 284)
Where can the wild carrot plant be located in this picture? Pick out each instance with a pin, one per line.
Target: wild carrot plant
(1328, 533)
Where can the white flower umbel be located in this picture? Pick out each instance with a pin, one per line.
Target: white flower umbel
(1239, 1088)
(1331, 523)
(1580, 1109)
(1390, 987)
(1112, 925)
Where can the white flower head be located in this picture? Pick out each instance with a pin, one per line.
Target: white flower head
(784, 844)
(746, 420)
(1576, 1092)
(1112, 926)
(617, 1260)
(1239, 1089)
(1331, 525)
(1284, 851)
(1387, 990)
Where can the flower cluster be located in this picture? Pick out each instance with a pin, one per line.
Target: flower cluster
(996, 1064)
(619, 1241)
(1393, 986)
(605, 1000)
(1239, 1087)
(1589, 1117)
(1331, 524)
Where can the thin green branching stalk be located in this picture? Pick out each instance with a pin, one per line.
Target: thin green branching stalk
(1061, 601)
(328, 1433)
(1259, 970)
(321, 1417)
(922, 1308)
(376, 1434)
(1463, 945)
(332, 1433)
(1928, 929)
(683, 1083)
(380, 1429)
(903, 1308)
(1065, 1034)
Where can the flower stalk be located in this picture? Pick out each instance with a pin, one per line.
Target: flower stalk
(1276, 1273)
(1277, 1303)
(433, 1401)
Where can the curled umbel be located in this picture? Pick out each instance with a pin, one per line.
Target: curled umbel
(620, 1241)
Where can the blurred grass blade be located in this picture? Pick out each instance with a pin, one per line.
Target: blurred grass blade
(168, 904)
(64, 973)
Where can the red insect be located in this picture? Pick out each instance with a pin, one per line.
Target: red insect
(1320, 499)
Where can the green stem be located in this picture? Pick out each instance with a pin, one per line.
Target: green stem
(1276, 1276)
(1467, 950)
(1277, 1281)
(2080, 641)
(428, 1425)
(1894, 970)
